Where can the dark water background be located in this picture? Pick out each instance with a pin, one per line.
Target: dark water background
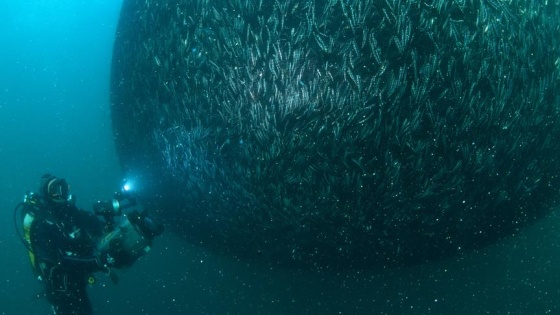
(54, 116)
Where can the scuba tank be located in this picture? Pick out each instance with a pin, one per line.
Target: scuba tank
(27, 210)
(27, 222)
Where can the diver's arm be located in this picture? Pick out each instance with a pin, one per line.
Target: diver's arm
(91, 229)
(91, 263)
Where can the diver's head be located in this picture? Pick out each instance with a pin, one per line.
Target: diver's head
(54, 189)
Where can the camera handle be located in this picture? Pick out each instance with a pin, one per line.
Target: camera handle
(112, 208)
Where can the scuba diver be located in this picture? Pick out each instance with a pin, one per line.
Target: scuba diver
(66, 245)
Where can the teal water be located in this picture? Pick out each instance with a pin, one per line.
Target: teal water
(54, 116)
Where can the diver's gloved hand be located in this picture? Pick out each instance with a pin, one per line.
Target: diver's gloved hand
(104, 260)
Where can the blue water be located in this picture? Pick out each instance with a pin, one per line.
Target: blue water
(54, 117)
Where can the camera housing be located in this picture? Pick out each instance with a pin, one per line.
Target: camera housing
(131, 240)
(132, 237)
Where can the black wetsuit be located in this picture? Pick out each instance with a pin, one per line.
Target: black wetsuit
(63, 241)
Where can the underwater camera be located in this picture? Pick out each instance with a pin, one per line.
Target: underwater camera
(130, 238)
